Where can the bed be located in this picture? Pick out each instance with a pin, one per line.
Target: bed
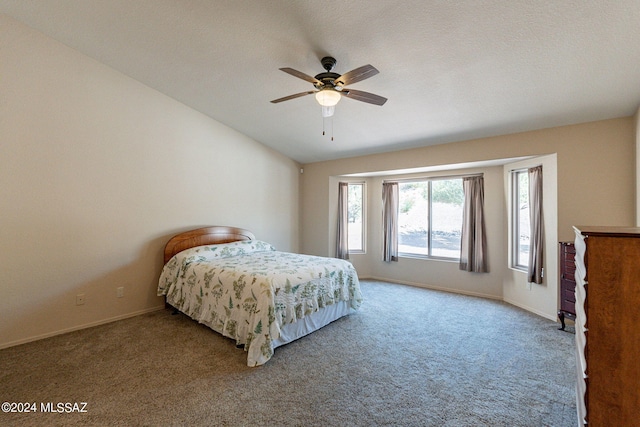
(246, 290)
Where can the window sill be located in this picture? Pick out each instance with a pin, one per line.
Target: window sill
(427, 258)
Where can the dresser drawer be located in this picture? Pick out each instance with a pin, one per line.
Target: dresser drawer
(568, 268)
(568, 306)
(569, 295)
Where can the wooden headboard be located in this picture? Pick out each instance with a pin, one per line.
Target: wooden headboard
(204, 236)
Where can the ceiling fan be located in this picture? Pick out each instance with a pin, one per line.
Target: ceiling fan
(329, 87)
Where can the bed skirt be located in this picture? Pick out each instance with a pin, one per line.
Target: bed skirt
(312, 322)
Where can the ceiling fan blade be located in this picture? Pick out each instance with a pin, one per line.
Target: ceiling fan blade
(357, 75)
(300, 75)
(359, 95)
(297, 95)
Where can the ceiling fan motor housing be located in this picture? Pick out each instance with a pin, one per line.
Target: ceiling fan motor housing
(327, 79)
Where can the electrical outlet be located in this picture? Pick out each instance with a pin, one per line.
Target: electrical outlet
(120, 292)
(80, 299)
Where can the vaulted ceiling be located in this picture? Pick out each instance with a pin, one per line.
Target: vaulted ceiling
(451, 70)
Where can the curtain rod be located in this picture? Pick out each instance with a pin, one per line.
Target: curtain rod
(426, 178)
(526, 168)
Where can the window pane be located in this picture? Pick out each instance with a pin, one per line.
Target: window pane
(447, 199)
(413, 220)
(439, 236)
(522, 212)
(355, 217)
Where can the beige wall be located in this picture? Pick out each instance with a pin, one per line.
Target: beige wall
(96, 173)
(595, 185)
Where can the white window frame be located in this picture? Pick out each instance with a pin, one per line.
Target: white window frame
(515, 220)
(363, 205)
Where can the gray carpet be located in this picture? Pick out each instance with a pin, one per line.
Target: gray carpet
(409, 357)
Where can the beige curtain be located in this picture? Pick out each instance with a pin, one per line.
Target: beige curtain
(390, 221)
(536, 240)
(473, 248)
(342, 240)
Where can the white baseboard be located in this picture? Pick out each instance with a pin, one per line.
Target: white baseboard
(462, 292)
(77, 328)
(532, 310)
(435, 288)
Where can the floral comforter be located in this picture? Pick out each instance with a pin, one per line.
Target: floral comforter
(247, 290)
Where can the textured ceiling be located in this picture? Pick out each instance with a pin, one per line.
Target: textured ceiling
(451, 70)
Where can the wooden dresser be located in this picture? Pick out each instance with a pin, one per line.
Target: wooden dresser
(567, 282)
(608, 325)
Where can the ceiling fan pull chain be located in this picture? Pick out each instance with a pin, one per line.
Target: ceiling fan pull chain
(331, 118)
(323, 119)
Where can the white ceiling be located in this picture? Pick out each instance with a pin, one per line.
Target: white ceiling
(452, 70)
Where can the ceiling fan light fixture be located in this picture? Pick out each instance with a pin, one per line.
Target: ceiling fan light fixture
(328, 97)
(328, 111)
